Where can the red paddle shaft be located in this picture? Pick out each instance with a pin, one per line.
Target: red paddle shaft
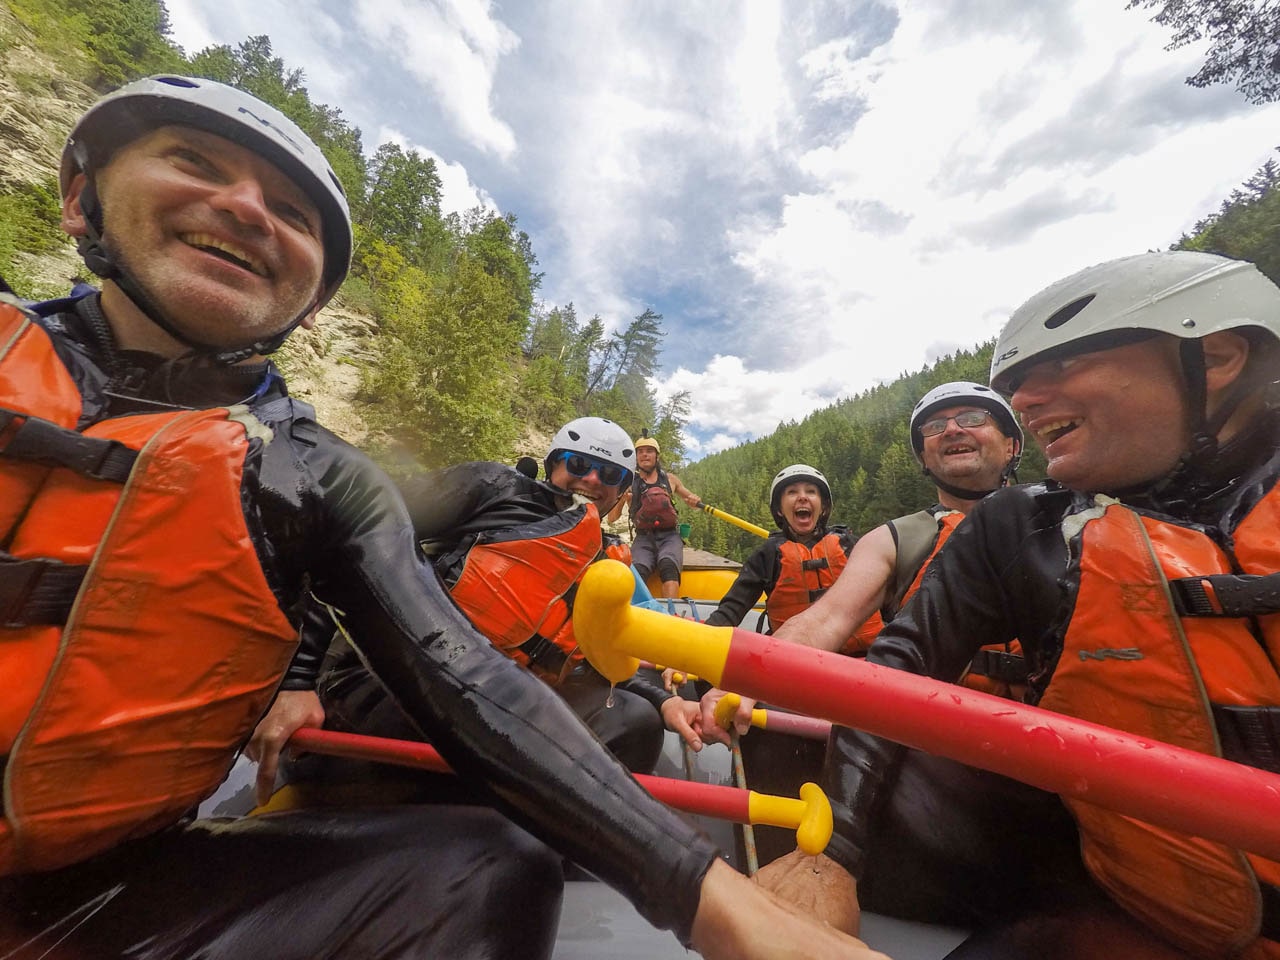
(1192, 792)
(705, 799)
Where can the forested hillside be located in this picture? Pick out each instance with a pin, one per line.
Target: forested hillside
(446, 351)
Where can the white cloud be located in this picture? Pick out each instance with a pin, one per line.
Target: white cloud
(196, 24)
(735, 403)
(872, 300)
(452, 47)
(189, 28)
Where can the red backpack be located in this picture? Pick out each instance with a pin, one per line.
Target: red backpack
(656, 511)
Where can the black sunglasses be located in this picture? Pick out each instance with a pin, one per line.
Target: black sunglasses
(610, 474)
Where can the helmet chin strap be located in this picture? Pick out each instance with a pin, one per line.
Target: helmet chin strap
(1204, 428)
(98, 258)
(959, 493)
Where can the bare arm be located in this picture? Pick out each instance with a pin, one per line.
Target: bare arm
(683, 492)
(613, 515)
(858, 592)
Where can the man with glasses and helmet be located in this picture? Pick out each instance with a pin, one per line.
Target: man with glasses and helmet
(512, 548)
(967, 440)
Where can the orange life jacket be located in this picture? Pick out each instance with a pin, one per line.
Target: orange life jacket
(516, 586)
(804, 574)
(126, 700)
(1132, 660)
(997, 669)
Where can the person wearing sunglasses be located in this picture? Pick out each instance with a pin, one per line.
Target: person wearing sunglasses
(511, 549)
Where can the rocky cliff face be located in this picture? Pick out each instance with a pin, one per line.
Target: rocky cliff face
(39, 103)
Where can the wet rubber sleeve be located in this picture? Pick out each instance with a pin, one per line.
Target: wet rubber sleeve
(996, 578)
(449, 504)
(442, 500)
(758, 575)
(313, 643)
(649, 691)
(491, 719)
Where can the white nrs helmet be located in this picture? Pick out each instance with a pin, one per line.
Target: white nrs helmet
(1183, 293)
(594, 437)
(121, 117)
(796, 473)
(965, 393)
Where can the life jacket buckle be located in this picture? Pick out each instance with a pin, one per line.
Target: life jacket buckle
(42, 441)
(36, 591)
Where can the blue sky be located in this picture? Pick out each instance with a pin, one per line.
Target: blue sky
(816, 196)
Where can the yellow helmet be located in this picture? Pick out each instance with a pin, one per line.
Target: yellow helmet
(645, 441)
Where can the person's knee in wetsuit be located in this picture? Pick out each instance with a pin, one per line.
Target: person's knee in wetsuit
(627, 723)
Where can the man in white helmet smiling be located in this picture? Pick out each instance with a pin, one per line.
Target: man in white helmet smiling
(968, 443)
(1141, 582)
(167, 509)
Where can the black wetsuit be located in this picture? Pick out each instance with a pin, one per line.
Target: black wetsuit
(935, 839)
(449, 508)
(409, 882)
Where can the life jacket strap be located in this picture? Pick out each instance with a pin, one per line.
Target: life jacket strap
(37, 591)
(1000, 666)
(816, 595)
(1270, 912)
(1249, 735)
(814, 563)
(24, 437)
(544, 654)
(1226, 595)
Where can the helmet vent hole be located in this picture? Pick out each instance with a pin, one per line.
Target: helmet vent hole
(1067, 312)
(178, 82)
(575, 436)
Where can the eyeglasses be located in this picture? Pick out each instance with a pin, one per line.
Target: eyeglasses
(610, 474)
(967, 419)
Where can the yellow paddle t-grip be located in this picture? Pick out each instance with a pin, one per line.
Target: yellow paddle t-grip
(615, 636)
(810, 816)
(727, 709)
